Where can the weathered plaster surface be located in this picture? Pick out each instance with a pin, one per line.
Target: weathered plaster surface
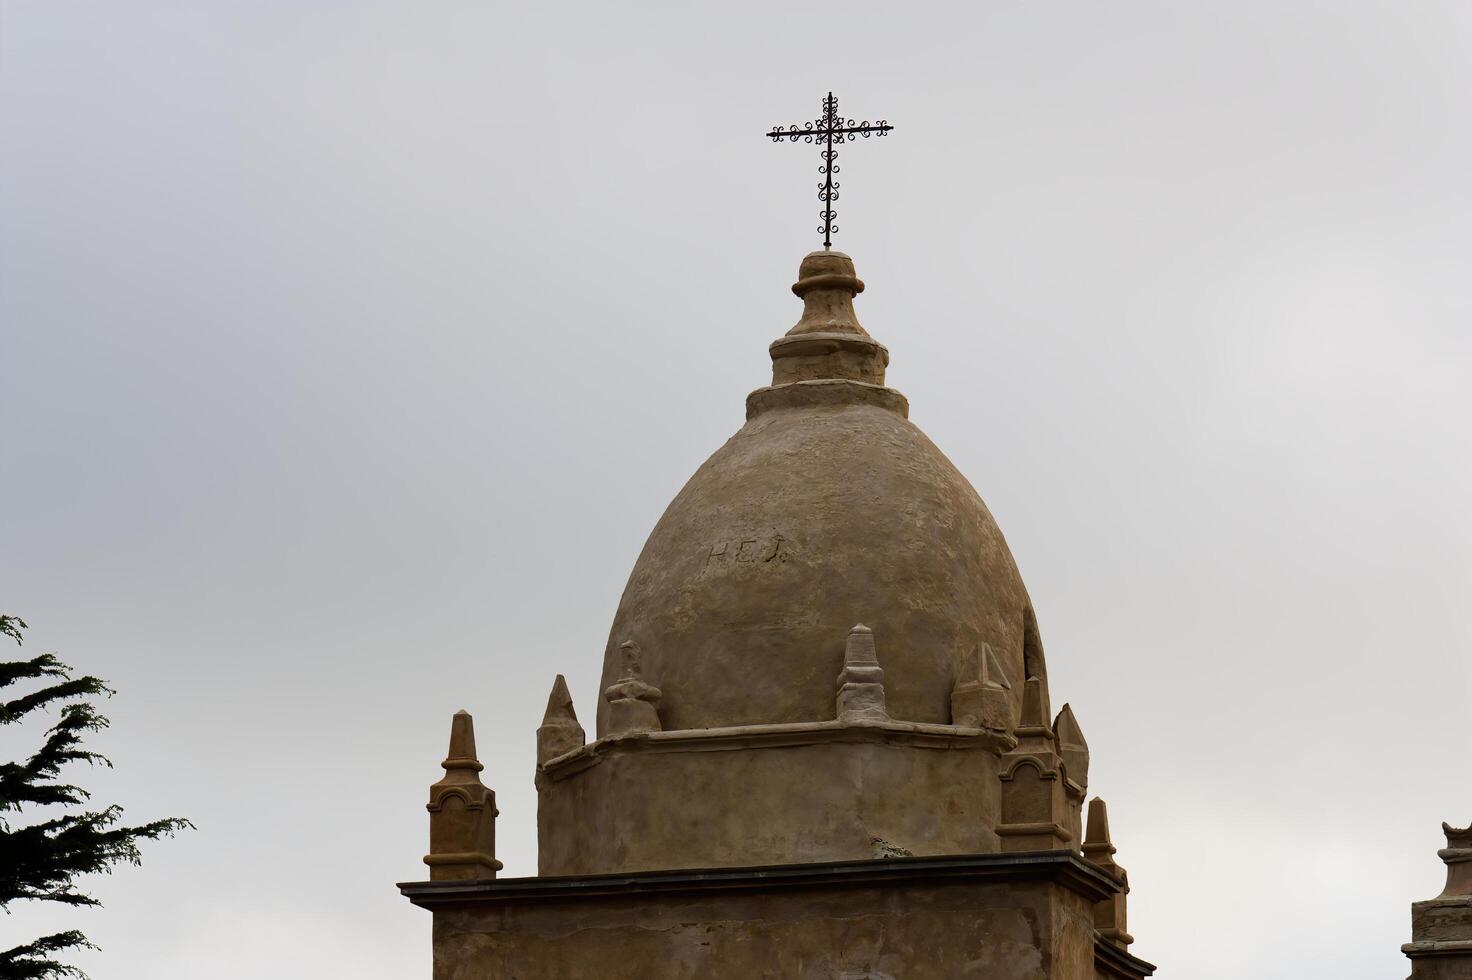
(752, 797)
(919, 932)
(1441, 928)
(809, 520)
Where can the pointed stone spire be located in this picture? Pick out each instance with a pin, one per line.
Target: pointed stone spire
(560, 732)
(980, 697)
(828, 342)
(1097, 843)
(632, 704)
(1109, 915)
(1072, 746)
(1033, 731)
(1035, 706)
(1038, 812)
(1074, 753)
(462, 813)
(461, 754)
(861, 682)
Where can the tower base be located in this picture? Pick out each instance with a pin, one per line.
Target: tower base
(1017, 916)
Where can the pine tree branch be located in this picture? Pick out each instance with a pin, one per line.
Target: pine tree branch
(28, 782)
(46, 665)
(33, 962)
(68, 689)
(42, 861)
(11, 626)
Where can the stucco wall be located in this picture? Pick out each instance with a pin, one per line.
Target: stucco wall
(915, 931)
(769, 797)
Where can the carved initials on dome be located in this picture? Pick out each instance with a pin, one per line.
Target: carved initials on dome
(772, 549)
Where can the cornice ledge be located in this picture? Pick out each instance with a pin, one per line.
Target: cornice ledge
(825, 393)
(1063, 868)
(1112, 961)
(1442, 947)
(916, 734)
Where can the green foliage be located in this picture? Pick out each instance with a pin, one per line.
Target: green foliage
(42, 861)
(33, 960)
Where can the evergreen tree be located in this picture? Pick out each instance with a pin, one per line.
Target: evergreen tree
(42, 861)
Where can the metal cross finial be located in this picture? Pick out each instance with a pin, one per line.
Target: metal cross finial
(829, 130)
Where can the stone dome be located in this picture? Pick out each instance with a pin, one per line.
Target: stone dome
(827, 509)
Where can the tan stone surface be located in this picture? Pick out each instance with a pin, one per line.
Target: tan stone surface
(559, 732)
(826, 509)
(981, 696)
(1039, 805)
(1111, 916)
(1457, 856)
(940, 932)
(1441, 928)
(805, 793)
(828, 341)
(462, 812)
(861, 681)
(633, 705)
(1073, 748)
(1073, 751)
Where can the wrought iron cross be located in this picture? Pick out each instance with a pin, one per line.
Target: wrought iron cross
(831, 129)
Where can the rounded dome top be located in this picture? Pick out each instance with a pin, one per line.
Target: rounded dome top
(827, 509)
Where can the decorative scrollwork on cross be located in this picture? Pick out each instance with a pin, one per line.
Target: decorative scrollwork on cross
(830, 131)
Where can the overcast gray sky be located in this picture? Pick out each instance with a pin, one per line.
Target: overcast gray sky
(350, 351)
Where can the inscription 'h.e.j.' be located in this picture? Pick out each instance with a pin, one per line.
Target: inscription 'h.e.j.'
(770, 549)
